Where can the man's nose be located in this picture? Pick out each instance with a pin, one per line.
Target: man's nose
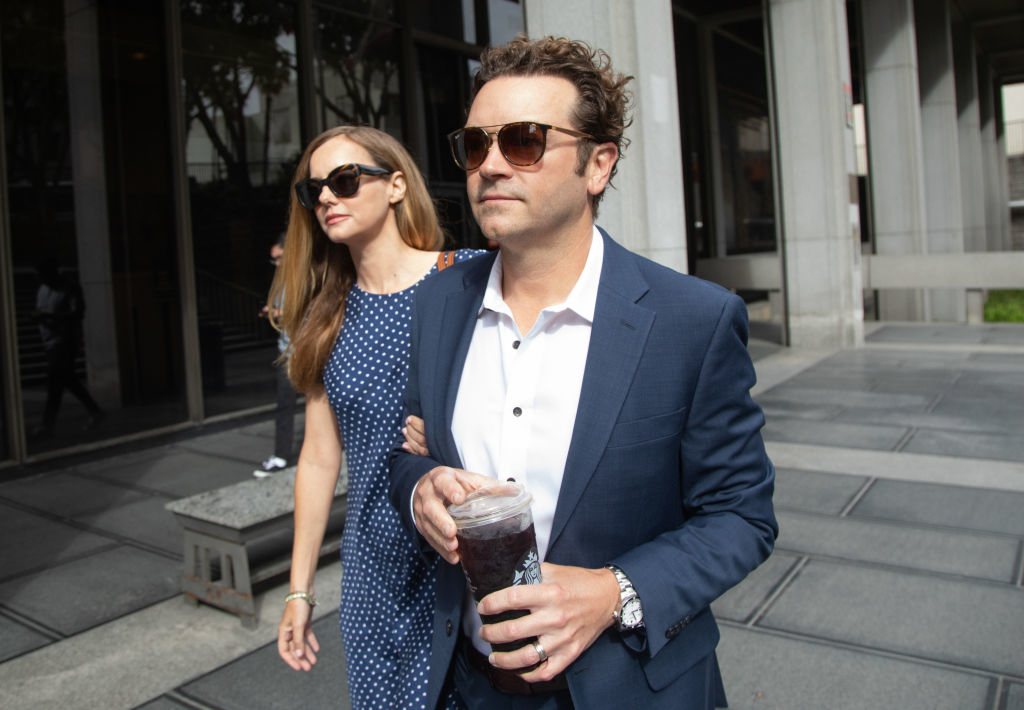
(494, 160)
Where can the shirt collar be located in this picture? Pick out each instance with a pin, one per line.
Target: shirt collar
(581, 299)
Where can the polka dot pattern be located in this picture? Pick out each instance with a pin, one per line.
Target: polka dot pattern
(387, 590)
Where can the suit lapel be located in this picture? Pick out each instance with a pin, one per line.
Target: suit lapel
(616, 345)
(456, 332)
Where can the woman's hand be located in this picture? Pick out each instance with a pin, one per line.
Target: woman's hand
(296, 642)
(415, 434)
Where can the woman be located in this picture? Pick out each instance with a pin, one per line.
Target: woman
(362, 233)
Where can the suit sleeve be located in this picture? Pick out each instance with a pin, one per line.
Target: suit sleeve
(727, 481)
(406, 469)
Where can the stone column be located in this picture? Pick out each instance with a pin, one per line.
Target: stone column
(997, 213)
(644, 211)
(92, 229)
(895, 160)
(823, 280)
(969, 142)
(944, 211)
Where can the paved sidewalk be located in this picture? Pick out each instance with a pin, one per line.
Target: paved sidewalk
(897, 581)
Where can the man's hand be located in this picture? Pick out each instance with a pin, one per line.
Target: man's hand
(434, 492)
(415, 434)
(568, 612)
(296, 642)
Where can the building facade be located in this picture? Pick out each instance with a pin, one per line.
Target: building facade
(147, 150)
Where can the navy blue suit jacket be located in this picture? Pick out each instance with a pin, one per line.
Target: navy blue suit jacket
(666, 477)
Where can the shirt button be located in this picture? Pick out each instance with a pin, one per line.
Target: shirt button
(448, 627)
(515, 345)
(517, 411)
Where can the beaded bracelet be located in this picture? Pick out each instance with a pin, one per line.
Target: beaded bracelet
(310, 599)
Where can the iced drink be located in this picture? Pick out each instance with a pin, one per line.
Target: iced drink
(497, 546)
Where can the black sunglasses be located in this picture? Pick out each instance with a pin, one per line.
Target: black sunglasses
(522, 143)
(343, 181)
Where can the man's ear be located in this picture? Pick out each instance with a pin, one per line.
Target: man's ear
(599, 167)
(397, 187)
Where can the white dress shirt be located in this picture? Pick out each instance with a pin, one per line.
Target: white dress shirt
(517, 400)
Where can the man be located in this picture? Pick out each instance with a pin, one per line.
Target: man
(284, 415)
(60, 311)
(615, 389)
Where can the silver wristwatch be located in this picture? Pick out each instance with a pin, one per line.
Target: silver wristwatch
(630, 615)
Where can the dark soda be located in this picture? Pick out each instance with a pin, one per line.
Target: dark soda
(503, 559)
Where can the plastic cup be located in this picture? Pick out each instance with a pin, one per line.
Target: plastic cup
(498, 546)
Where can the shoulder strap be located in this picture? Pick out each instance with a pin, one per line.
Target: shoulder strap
(445, 259)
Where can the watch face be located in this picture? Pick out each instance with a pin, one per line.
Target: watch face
(631, 614)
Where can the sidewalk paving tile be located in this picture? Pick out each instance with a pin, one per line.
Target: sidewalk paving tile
(814, 491)
(767, 672)
(230, 445)
(968, 623)
(67, 495)
(855, 436)
(146, 521)
(975, 445)
(16, 639)
(747, 597)
(178, 473)
(81, 594)
(814, 396)
(1015, 697)
(900, 545)
(954, 422)
(777, 408)
(952, 506)
(262, 680)
(1000, 381)
(930, 334)
(1005, 414)
(32, 542)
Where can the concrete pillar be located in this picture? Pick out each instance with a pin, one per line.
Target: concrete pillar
(823, 282)
(92, 229)
(969, 141)
(944, 210)
(993, 162)
(895, 152)
(644, 211)
(1003, 167)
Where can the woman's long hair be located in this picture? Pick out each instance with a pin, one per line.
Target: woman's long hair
(315, 274)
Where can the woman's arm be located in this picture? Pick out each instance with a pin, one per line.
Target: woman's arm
(315, 480)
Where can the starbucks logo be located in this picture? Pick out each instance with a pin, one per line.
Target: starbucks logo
(528, 569)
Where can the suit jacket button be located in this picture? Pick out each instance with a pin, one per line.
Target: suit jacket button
(448, 627)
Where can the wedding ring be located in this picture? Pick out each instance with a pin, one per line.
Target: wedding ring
(540, 651)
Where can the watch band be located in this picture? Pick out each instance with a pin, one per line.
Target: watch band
(630, 615)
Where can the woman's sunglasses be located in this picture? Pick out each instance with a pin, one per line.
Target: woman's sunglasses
(343, 181)
(522, 143)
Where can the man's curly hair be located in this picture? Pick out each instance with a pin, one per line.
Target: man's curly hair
(604, 101)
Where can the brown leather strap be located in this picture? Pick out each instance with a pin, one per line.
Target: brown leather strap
(445, 259)
(508, 681)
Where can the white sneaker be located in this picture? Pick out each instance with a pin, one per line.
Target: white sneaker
(270, 467)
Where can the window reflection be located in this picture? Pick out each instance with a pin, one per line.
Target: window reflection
(243, 141)
(444, 78)
(356, 64)
(92, 227)
(747, 220)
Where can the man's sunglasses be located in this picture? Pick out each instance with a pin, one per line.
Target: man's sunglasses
(343, 181)
(522, 143)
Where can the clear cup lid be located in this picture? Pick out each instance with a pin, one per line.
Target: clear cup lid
(490, 503)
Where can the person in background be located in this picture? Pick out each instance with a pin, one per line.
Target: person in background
(615, 389)
(362, 237)
(59, 311)
(284, 414)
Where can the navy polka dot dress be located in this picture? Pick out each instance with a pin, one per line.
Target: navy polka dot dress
(387, 590)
